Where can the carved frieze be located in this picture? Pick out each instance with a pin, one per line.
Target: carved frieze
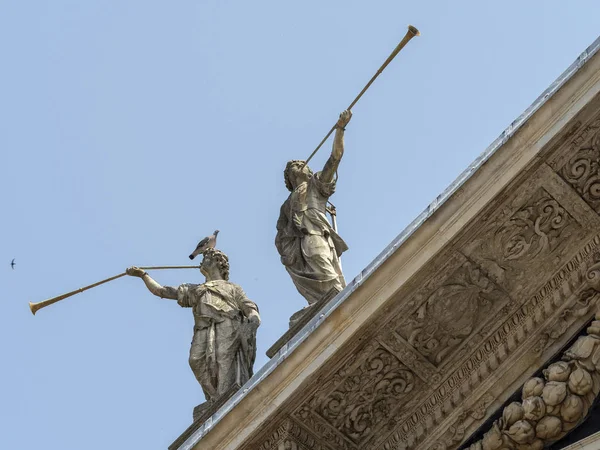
(582, 170)
(421, 367)
(529, 237)
(534, 229)
(367, 395)
(289, 436)
(507, 336)
(463, 304)
(353, 401)
(456, 432)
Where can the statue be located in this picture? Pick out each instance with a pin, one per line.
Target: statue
(224, 345)
(309, 247)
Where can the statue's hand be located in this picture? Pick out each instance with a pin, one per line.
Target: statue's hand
(345, 117)
(254, 319)
(135, 272)
(288, 260)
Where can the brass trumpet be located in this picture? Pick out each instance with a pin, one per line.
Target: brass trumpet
(37, 306)
(411, 33)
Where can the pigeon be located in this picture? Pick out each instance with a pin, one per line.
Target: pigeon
(12, 264)
(207, 242)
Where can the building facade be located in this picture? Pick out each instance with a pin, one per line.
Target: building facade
(435, 344)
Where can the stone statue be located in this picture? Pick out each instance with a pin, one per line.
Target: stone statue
(309, 247)
(224, 344)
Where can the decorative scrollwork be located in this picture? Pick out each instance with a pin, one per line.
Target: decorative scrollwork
(582, 172)
(452, 313)
(533, 229)
(368, 395)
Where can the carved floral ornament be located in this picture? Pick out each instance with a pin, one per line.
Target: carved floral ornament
(554, 405)
(582, 171)
(354, 401)
(452, 313)
(534, 229)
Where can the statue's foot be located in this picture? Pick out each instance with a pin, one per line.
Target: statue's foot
(298, 315)
(204, 410)
(308, 311)
(201, 409)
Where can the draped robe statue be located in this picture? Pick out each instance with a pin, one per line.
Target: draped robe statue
(309, 247)
(224, 344)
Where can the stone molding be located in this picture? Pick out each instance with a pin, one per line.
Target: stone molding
(554, 405)
(589, 443)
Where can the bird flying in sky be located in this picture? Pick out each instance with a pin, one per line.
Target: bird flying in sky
(207, 242)
(12, 264)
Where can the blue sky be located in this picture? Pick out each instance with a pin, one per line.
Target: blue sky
(130, 129)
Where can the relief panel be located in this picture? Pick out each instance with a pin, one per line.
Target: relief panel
(458, 308)
(360, 395)
(582, 170)
(522, 244)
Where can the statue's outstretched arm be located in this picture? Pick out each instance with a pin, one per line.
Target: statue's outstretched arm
(337, 152)
(153, 286)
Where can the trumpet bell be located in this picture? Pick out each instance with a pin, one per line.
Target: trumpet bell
(414, 30)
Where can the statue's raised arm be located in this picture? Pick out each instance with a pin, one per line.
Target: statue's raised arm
(337, 152)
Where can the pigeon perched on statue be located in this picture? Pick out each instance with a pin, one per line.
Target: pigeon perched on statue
(204, 244)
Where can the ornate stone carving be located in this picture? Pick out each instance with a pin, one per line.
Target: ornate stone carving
(367, 395)
(551, 406)
(585, 301)
(463, 304)
(533, 229)
(288, 435)
(326, 433)
(582, 170)
(524, 242)
(456, 432)
(347, 407)
(409, 356)
(486, 357)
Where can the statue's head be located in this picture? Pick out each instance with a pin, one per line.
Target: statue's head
(215, 259)
(295, 173)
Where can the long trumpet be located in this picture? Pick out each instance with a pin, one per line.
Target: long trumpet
(411, 33)
(37, 306)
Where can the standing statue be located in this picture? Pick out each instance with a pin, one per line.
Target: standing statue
(310, 248)
(224, 344)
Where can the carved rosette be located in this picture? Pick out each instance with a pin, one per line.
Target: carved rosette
(551, 406)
